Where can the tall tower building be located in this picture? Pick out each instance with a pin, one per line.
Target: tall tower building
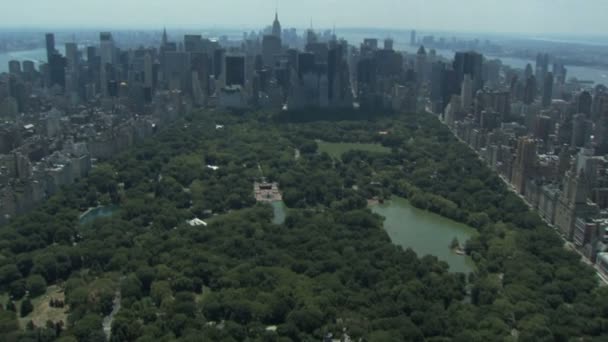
(148, 70)
(547, 89)
(528, 72)
(530, 90)
(581, 130)
(57, 66)
(165, 39)
(71, 54)
(271, 48)
(421, 65)
(466, 93)
(234, 73)
(388, 44)
(276, 26)
(50, 46)
(14, 67)
(106, 48)
(584, 102)
(572, 202)
(413, 38)
(542, 66)
(524, 165)
(470, 63)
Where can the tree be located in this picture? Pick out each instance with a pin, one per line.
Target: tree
(125, 330)
(146, 275)
(8, 274)
(26, 307)
(131, 287)
(10, 306)
(36, 285)
(8, 322)
(87, 327)
(307, 319)
(160, 290)
(17, 289)
(455, 243)
(103, 178)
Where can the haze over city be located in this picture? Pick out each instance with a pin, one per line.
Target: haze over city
(489, 16)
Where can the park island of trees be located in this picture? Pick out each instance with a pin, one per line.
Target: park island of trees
(145, 274)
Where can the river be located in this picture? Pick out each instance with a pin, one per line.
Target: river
(401, 43)
(38, 56)
(424, 232)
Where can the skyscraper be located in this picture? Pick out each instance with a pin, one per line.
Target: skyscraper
(164, 39)
(106, 48)
(547, 89)
(271, 47)
(218, 62)
(584, 103)
(50, 46)
(436, 81)
(57, 66)
(421, 65)
(177, 71)
(466, 93)
(14, 67)
(530, 90)
(276, 26)
(193, 43)
(234, 70)
(71, 54)
(524, 163)
(469, 63)
(148, 70)
(542, 66)
(413, 38)
(388, 44)
(581, 130)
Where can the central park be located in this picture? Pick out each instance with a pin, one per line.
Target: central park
(388, 229)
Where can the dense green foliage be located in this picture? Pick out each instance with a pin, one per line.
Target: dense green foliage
(329, 269)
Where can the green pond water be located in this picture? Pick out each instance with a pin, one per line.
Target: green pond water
(336, 150)
(99, 212)
(280, 212)
(425, 232)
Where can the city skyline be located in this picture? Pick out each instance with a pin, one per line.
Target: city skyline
(490, 17)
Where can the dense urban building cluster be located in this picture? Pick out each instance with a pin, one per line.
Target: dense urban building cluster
(544, 134)
(86, 105)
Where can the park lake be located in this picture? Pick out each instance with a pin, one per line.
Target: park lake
(425, 232)
(94, 213)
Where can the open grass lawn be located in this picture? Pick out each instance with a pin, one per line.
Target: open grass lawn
(42, 311)
(336, 150)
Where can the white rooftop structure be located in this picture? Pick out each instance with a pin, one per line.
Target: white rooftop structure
(196, 222)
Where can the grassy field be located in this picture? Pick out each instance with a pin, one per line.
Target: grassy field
(42, 311)
(336, 150)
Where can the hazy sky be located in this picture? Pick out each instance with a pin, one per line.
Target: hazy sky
(508, 16)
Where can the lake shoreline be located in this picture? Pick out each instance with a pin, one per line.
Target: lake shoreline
(425, 232)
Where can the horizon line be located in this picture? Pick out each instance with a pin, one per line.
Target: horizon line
(246, 28)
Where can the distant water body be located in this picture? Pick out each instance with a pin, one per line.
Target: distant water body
(38, 56)
(401, 43)
(354, 37)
